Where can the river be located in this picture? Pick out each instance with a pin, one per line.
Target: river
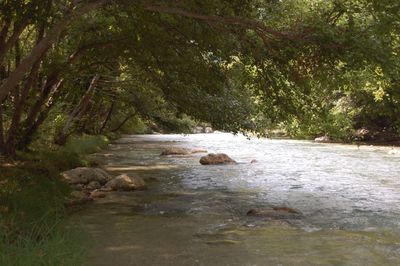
(192, 214)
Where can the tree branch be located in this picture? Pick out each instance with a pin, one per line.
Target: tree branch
(18, 74)
(244, 23)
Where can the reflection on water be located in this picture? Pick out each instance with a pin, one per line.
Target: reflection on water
(196, 215)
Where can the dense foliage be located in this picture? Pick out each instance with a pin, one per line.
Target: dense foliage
(96, 66)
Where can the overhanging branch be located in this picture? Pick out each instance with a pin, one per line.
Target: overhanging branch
(262, 30)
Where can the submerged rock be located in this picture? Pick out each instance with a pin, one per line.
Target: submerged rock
(198, 151)
(219, 158)
(85, 175)
(276, 213)
(286, 209)
(253, 212)
(181, 151)
(77, 198)
(125, 182)
(223, 242)
(175, 151)
(97, 194)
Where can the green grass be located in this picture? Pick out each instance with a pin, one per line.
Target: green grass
(46, 244)
(32, 210)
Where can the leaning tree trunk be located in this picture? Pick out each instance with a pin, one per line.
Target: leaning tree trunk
(21, 98)
(108, 117)
(78, 112)
(51, 90)
(31, 128)
(6, 45)
(123, 122)
(14, 129)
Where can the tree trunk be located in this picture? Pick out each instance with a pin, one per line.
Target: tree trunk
(14, 129)
(31, 128)
(89, 121)
(52, 82)
(123, 123)
(38, 50)
(6, 45)
(4, 30)
(78, 111)
(108, 117)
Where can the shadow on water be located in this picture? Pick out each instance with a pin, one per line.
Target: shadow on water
(196, 215)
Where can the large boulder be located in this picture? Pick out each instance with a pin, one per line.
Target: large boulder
(85, 175)
(175, 151)
(219, 158)
(125, 182)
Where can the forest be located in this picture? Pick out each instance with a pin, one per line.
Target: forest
(74, 72)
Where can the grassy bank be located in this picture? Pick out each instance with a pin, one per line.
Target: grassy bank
(32, 211)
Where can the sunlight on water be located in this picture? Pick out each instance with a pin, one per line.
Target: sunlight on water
(349, 198)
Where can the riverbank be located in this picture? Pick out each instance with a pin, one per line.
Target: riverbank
(32, 205)
(390, 146)
(360, 137)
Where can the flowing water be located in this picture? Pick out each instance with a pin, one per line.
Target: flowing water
(192, 214)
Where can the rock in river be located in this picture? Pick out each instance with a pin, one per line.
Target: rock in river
(285, 209)
(85, 175)
(97, 194)
(198, 151)
(93, 185)
(175, 151)
(125, 182)
(77, 198)
(219, 158)
(181, 151)
(323, 139)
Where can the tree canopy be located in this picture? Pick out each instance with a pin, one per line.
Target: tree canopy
(97, 66)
